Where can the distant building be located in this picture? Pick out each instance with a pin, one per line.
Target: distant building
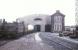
(21, 27)
(70, 28)
(11, 27)
(67, 28)
(57, 21)
(45, 23)
(0, 23)
(17, 27)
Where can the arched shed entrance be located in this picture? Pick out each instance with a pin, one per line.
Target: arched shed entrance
(37, 28)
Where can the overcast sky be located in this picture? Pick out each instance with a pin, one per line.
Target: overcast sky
(12, 9)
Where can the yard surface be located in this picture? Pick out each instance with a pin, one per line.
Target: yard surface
(29, 42)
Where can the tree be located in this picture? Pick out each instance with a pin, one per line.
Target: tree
(3, 31)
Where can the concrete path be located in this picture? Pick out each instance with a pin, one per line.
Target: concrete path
(29, 42)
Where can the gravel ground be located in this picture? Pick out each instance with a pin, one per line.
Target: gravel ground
(26, 43)
(3, 42)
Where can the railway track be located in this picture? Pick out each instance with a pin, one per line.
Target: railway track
(55, 44)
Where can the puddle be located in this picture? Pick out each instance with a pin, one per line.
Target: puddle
(37, 38)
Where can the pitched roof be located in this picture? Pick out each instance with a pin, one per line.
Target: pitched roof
(57, 13)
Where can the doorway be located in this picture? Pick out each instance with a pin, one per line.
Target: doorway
(47, 28)
(37, 28)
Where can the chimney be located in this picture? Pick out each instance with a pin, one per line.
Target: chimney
(57, 11)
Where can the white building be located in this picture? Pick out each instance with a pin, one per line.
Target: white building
(45, 23)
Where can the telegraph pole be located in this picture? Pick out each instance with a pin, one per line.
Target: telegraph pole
(76, 16)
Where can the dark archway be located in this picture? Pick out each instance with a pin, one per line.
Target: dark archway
(47, 28)
(37, 28)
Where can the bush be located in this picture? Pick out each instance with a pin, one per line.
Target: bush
(9, 35)
(72, 36)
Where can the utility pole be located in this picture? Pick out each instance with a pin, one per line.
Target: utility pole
(76, 16)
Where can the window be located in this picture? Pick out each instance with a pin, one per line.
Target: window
(55, 27)
(57, 19)
(39, 19)
(60, 27)
(60, 18)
